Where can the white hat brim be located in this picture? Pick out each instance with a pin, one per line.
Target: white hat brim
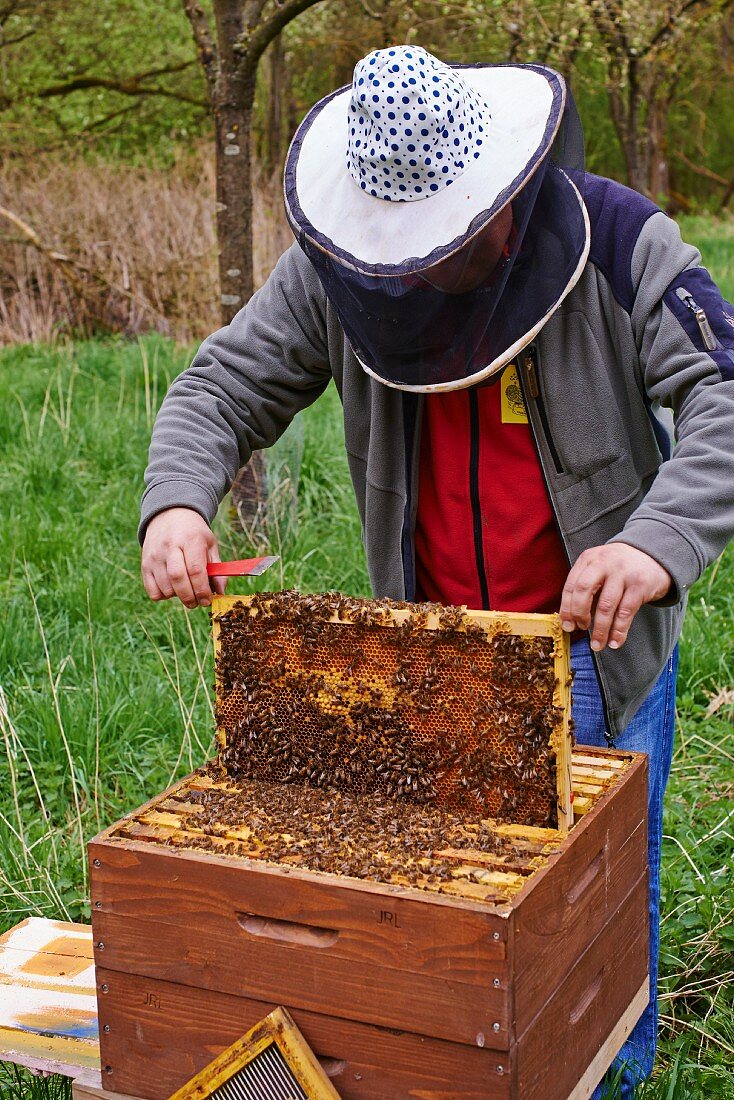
(526, 105)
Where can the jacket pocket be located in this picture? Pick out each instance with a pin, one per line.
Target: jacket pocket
(605, 498)
(577, 405)
(697, 304)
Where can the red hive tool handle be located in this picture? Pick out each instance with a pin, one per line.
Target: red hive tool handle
(248, 567)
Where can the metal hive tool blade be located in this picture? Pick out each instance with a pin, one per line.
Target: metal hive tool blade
(246, 567)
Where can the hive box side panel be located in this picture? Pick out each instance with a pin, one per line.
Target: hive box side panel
(565, 906)
(553, 1054)
(378, 955)
(93, 1092)
(162, 1033)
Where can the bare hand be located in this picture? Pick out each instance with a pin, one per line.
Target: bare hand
(178, 544)
(609, 584)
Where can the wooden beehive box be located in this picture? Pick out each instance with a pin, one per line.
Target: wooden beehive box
(483, 975)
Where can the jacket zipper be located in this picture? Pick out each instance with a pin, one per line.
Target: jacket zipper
(529, 386)
(533, 387)
(474, 496)
(709, 340)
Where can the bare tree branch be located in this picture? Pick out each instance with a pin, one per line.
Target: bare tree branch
(670, 26)
(10, 8)
(131, 85)
(252, 45)
(87, 133)
(205, 46)
(701, 170)
(368, 10)
(253, 9)
(5, 42)
(64, 263)
(73, 271)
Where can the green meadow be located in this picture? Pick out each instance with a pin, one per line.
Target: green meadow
(105, 696)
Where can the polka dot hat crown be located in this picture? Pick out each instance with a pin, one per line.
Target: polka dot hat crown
(414, 125)
(465, 138)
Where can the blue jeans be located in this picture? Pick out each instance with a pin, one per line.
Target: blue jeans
(651, 731)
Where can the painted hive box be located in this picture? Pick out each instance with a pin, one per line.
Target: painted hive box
(426, 944)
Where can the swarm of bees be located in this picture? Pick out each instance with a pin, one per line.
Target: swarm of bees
(356, 695)
(383, 839)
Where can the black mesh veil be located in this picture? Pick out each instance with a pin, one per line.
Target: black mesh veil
(449, 325)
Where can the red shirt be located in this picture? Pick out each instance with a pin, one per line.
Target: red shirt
(485, 531)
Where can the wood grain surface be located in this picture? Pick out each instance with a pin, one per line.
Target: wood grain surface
(405, 993)
(156, 1042)
(586, 1006)
(570, 900)
(385, 959)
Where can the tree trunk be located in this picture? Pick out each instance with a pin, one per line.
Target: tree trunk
(243, 33)
(273, 143)
(233, 99)
(637, 169)
(626, 113)
(233, 119)
(657, 149)
(634, 144)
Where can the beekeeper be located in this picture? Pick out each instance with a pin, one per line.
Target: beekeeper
(501, 327)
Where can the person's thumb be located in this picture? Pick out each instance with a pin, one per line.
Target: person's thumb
(219, 584)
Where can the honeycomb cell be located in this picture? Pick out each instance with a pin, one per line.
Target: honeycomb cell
(415, 701)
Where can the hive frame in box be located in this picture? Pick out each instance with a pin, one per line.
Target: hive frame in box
(491, 623)
(403, 990)
(290, 1064)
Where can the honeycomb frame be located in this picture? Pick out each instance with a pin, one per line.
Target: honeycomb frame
(335, 651)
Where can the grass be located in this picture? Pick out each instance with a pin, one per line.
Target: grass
(715, 239)
(104, 695)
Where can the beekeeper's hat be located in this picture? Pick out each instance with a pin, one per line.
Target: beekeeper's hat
(409, 167)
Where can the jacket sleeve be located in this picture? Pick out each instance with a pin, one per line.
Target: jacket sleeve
(685, 337)
(245, 385)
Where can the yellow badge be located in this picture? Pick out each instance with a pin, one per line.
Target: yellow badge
(513, 405)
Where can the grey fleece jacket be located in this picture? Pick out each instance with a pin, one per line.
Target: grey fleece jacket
(630, 335)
